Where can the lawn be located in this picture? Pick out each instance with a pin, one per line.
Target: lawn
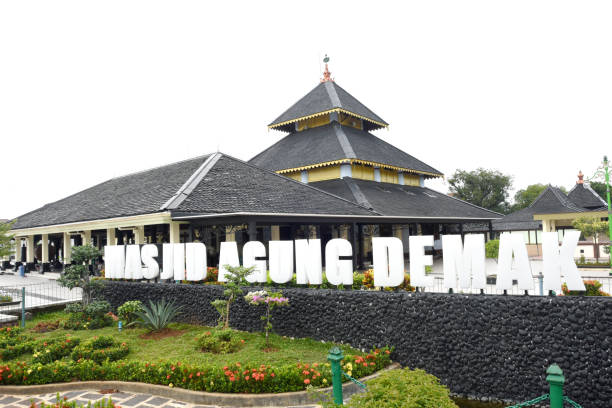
(183, 347)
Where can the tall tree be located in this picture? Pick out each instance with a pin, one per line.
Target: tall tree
(591, 227)
(6, 247)
(486, 188)
(524, 197)
(600, 188)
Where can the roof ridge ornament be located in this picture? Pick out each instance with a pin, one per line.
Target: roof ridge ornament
(326, 74)
(580, 177)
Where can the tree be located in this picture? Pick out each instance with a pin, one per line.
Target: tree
(77, 275)
(524, 197)
(591, 227)
(6, 248)
(236, 278)
(600, 188)
(485, 188)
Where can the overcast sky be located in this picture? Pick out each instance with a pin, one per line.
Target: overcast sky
(94, 90)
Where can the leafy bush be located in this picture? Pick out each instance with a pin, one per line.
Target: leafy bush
(54, 349)
(368, 279)
(220, 342)
(13, 343)
(77, 275)
(6, 298)
(593, 288)
(492, 248)
(100, 349)
(236, 278)
(157, 315)
(127, 311)
(271, 300)
(357, 280)
(93, 316)
(404, 388)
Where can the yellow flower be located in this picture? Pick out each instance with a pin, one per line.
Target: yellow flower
(47, 351)
(350, 373)
(325, 381)
(170, 385)
(29, 371)
(39, 368)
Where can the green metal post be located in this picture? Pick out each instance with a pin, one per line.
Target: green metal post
(607, 175)
(335, 356)
(556, 380)
(23, 307)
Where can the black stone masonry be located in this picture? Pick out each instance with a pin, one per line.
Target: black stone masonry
(481, 346)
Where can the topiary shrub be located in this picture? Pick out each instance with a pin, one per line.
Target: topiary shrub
(404, 388)
(220, 342)
(54, 349)
(100, 349)
(128, 312)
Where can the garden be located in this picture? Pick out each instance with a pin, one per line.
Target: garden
(147, 343)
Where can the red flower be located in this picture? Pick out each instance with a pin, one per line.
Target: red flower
(247, 378)
(167, 377)
(307, 381)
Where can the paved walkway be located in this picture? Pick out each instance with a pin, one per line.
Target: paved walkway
(123, 399)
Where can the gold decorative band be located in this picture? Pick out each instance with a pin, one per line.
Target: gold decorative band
(325, 113)
(362, 162)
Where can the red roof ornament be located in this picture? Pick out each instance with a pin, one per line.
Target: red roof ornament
(326, 74)
(580, 177)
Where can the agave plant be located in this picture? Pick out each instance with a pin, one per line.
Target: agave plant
(157, 315)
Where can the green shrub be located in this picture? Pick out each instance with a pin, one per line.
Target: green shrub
(593, 288)
(220, 342)
(54, 349)
(6, 298)
(492, 248)
(157, 315)
(93, 316)
(100, 349)
(404, 388)
(357, 280)
(127, 311)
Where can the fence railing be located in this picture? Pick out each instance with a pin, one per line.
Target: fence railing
(24, 297)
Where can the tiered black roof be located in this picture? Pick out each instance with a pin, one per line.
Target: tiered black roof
(325, 97)
(335, 142)
(211, 184)
(551, 201)
(395, 200)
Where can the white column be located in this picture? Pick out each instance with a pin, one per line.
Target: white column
(230, 235)
(17, 249)
(139, 235)
(275, 232)
(175, 232)
(400, 178)
(45, 248)
(344, 232)
(377, 174)
(86, 237)
(397, 231)
(110, 237)
(67, 249)
(312, 232)
(30, 248)
(304, 176)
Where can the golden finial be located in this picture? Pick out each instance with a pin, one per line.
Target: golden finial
(326, 74)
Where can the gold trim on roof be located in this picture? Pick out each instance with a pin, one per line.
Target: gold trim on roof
(362, 162)
(325, 113)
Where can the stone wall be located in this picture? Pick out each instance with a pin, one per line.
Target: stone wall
(481, 346)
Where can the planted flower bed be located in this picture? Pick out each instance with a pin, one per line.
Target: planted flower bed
(175, 359)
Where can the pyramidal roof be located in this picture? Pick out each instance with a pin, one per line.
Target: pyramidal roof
(324, 98)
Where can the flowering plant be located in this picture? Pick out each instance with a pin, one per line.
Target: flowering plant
(271, 300)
